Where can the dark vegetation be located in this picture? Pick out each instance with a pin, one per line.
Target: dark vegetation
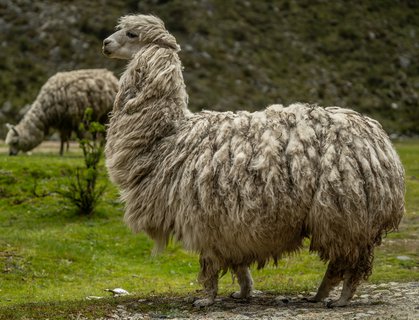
(237, 54)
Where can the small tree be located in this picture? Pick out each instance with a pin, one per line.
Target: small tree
(82, 189)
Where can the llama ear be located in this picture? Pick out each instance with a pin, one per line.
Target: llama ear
(12, 127)
(169, 41)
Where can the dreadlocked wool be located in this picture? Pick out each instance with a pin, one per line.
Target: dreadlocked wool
(242, 188)
(61, 104)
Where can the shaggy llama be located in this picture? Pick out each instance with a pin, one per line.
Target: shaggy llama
(61, 104)
(243, 188)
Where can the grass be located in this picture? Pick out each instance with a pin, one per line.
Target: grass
(51, 259)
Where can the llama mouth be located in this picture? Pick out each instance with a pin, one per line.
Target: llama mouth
(106, 52)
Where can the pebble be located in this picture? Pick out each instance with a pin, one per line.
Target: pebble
(281, 300)
(404, 258)
(361, 315)
(381, 293)
(375, 302)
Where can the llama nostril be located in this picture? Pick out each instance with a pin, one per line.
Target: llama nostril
(106, 41)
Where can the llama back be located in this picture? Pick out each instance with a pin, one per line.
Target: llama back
(66, 95)
(360, 190)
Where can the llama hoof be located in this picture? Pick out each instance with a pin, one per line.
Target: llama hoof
(236, 295)
(201, 303)
(337, 303)
(239, 295)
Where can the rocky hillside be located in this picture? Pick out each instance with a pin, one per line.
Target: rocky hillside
(237, 54)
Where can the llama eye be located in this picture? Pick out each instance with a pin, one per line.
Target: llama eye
(131, 35)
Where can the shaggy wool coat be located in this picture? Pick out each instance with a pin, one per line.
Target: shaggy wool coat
(61, 104)
(245, 187)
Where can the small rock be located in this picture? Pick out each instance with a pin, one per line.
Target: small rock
(404, 61)
(281, 300)
(382, 292)
(394, 106)
(361, 315)
(364, 296)
(256, 292)
(118, 292)
(269, 311)
(404, 258)
(93, 298)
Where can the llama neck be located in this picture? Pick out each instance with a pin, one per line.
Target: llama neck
(151, 101)
(31, 128)
(154, 74)
(152, 94)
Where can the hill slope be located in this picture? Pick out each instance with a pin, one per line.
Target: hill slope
(237, 54)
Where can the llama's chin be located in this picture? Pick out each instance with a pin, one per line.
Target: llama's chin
(107, 53)
(116, 54)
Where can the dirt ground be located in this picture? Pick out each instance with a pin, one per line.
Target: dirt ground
(398, 301)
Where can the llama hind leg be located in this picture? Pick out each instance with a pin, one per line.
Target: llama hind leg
(245, 281)
(350, 283)
(209, 278)
(352, 278)
(332, 277)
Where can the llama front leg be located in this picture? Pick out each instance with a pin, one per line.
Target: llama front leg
(245, 281)
(331, 278)
(353, 277)
(208, 276)
(61, 147)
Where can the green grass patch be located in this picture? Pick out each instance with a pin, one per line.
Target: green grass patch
(53, 259)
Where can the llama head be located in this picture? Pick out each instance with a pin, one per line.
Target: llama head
(133, 33)
(12, 139)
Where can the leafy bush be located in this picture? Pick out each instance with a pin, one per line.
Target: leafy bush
(82, 189)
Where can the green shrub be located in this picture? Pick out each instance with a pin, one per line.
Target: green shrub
(82, 188)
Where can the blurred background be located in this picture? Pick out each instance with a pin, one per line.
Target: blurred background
(237, 54)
